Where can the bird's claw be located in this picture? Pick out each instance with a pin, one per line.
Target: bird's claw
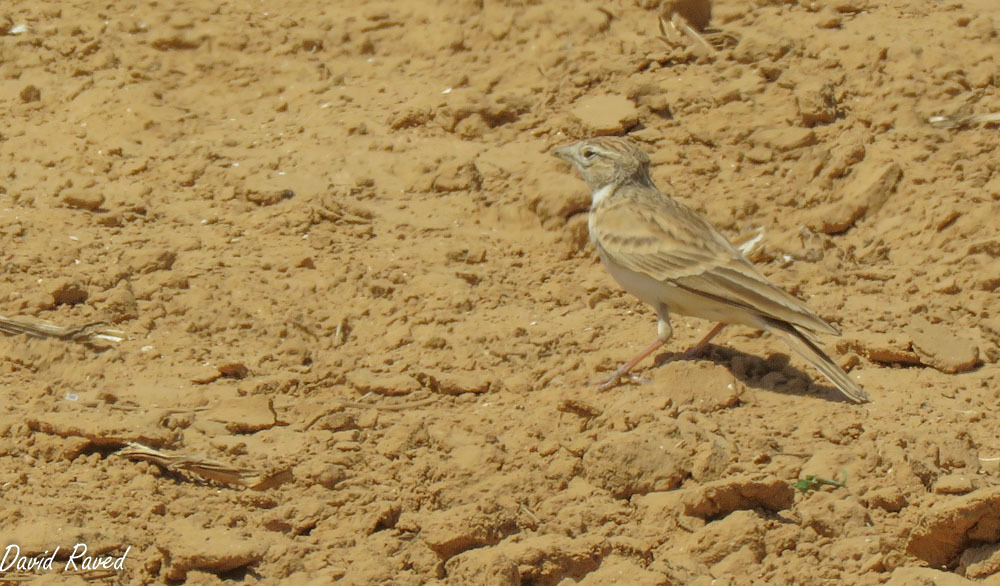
(613, 380)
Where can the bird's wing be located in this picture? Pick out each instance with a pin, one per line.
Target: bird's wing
(667, 241)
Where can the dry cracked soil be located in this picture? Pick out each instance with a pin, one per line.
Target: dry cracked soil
(358, 314)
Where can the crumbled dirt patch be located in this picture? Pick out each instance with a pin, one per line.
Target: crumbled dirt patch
(342, 257)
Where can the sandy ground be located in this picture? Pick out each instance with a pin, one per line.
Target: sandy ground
(350, 273)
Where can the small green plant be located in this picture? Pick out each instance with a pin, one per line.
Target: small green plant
(813, 482)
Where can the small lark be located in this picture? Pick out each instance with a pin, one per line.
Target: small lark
(670, 257)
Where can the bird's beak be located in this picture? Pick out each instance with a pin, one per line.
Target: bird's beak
(564, 152)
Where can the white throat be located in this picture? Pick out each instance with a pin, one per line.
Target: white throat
(601, 194)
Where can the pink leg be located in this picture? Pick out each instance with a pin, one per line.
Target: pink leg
(612, 380)
(697, 348)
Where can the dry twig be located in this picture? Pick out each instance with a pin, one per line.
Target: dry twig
(87, 333)
(202, 467)
(962, 119)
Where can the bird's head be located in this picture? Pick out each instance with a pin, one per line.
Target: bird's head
(607, 160)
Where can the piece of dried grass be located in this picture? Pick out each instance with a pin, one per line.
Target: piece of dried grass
(962, 119)
(202, 467)
(96, 333)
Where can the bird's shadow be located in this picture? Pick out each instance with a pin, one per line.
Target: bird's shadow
(751, 370)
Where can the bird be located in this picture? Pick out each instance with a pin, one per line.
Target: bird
(675, 260)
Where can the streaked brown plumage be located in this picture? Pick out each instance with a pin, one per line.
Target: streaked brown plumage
(670, 257)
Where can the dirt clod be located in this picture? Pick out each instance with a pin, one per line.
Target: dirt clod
(318, 258)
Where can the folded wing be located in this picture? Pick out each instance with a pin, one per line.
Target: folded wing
(667, 241)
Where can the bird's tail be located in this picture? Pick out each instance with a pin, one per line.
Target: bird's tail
(799, 341)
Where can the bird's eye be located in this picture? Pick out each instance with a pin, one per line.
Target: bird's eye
(589, 154)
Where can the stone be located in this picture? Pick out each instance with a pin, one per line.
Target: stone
(719, 498)
(698, 13)
(455, 382)
(86, 199)
(387, 384)
(940, 349)
(31, 93)
(243, 415)
(453, 531)
(636, 462)
(784, 139)
(980, 562)
(606, 115)
(68, 292)
(947, 529)
(881, 348)
(187, 545)
(955, 484)
(888, 498)
(870, 186)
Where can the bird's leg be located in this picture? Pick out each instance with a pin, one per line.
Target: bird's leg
(605, 384)
(663, 331)
(697, 348)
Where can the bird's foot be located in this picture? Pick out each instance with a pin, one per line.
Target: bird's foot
(605, 384)
(616, 379)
